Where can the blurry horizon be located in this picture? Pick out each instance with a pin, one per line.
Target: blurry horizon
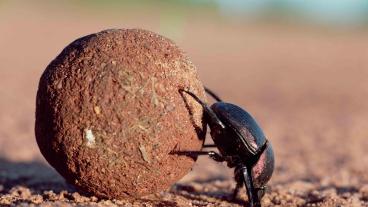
(330, 13)
(327, 12)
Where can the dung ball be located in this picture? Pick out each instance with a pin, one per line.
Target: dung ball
(109, 113)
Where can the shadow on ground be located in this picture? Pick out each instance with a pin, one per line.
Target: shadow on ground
(34, 182)
(36, 176)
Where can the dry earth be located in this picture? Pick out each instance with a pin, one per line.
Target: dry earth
(307, 87)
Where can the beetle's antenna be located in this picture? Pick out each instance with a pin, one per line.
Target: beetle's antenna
(213, 119)
(211, 93)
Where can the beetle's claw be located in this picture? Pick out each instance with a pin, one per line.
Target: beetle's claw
(216, 156)
(261, 192)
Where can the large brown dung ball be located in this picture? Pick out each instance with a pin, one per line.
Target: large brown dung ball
(110, 117)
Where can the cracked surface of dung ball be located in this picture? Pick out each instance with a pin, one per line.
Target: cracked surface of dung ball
(109, 113)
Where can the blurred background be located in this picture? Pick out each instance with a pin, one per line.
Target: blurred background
(300, 67)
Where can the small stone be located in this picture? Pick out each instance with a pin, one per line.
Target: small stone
(364, 192)
(144, 153)
(60, 84)
(37, 199)
(89, 137)
(21, 192)
(97, 110)
(78, 198)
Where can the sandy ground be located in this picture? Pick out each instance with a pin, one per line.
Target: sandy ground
(308, 89)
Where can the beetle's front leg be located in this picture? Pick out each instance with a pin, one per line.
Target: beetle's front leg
(213, 155)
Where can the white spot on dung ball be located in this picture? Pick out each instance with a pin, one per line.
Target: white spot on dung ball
(88, 135)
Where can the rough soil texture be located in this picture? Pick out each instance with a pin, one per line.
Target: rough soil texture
(110, 117)
(307, 88)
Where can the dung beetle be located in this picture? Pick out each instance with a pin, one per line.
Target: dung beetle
(241, 144)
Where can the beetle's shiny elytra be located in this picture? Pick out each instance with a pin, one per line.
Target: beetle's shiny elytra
(241, 144)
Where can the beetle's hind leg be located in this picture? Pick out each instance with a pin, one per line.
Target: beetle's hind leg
(239, 185)
(242, 173)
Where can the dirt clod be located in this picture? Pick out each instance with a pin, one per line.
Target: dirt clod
(109, 113)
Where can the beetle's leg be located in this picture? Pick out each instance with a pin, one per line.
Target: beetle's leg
(239, 184)
(213, 120)
(251, 192)
(209, 145)
(211, 93)
(213, 155)
(192, 154)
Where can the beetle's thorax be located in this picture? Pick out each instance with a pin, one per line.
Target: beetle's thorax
(242, 123)
(241, 135)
